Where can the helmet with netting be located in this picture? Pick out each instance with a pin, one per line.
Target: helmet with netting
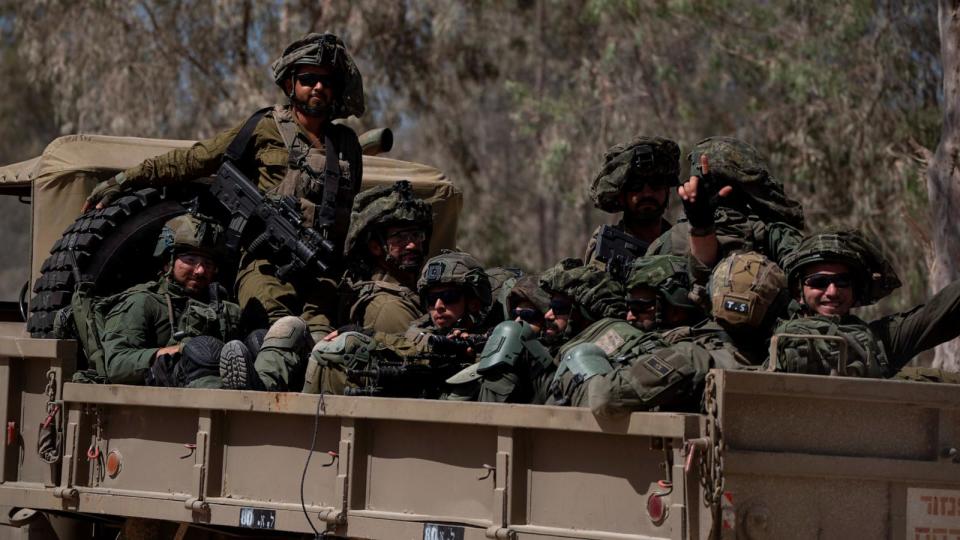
(748, 290)
(190, 233)
(874, 275)
(528, 289)
(460, 269)
(734, 162)
(377, 208)
(326, 50)
(665, 274)
(644, 159)
(595, 293)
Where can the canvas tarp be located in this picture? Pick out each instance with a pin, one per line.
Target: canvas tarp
(71, 166)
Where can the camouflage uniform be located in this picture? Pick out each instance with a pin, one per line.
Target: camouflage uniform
(758, 216)
(378, 300)
(282, 159)
(161, 313)
(642, 159)
(516, 365)
(669, 276)
(330, 361)
(748, 293)
(879, 348)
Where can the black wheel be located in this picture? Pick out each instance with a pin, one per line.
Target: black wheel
(111, 248)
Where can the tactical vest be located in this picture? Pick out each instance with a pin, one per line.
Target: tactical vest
(324, 188)
(363, 292)
(617, 338)
(794, 353)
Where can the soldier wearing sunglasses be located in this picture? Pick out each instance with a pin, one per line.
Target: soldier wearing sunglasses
(658, 294)
(284, 155)
(516, 365)
(830, 274)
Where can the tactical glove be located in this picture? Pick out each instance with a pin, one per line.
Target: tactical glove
(700, 211)
(105, 192)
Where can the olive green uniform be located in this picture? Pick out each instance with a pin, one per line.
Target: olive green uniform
(140, 324)
(882, 347)
(382, 304)
(735, 231)
(669, 378)
(275, 141)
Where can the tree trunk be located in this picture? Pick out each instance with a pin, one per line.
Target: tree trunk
(943, 176)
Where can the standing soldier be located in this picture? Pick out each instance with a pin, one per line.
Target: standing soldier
(829, 274)
(636, 179)
(385, 248)
(284, 154)
(169, 332)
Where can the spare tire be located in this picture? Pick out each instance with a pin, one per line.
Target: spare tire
(111, 248)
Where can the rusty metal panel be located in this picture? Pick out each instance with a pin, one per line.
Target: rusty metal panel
(154, 446)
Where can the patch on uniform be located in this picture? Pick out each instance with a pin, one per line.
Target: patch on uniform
(435, 271)
(609, 342)
(658, 366)
(737, 306)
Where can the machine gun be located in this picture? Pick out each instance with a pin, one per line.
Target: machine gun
(283, 234)
(618, 249)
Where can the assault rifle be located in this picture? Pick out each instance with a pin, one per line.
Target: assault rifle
(618, 249)
(422, 375)
(283, 234)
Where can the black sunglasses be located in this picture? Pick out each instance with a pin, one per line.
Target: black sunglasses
(822, 281)
(561, 306)
(311, 79)
(529, 315)
(449, 296)
(641, 305)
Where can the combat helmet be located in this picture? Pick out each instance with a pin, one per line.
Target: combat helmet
(666, 274)
(325, 50)
(734, 162)
(594, 292)
(385, 206)
(875, 276)
(643, 158)
(189, 232)
(457, 268)
(747, 290)
(528, 288)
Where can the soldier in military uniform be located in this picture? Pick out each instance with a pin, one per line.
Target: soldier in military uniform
(455, 292)
(731, 202)
(385, 249)
(831, 273)
(286, 155)
(168, 332)
(748, 295)
(658, 294)
(636, 179)
(516, 365)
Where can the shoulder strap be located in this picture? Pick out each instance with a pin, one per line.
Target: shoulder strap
(239, 144)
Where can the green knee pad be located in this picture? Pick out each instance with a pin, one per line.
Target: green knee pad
(329, 361)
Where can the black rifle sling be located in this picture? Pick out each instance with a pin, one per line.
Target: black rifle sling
(332, 179)
(239, 143)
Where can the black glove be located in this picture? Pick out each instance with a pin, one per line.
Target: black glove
(700, 212)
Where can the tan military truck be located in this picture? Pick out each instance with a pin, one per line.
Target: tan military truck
(775, 456)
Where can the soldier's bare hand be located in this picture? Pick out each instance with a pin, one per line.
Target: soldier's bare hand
(331, 336)
(172, 349)
(688, 190)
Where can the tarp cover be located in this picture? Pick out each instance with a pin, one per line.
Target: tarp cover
(71, 166)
